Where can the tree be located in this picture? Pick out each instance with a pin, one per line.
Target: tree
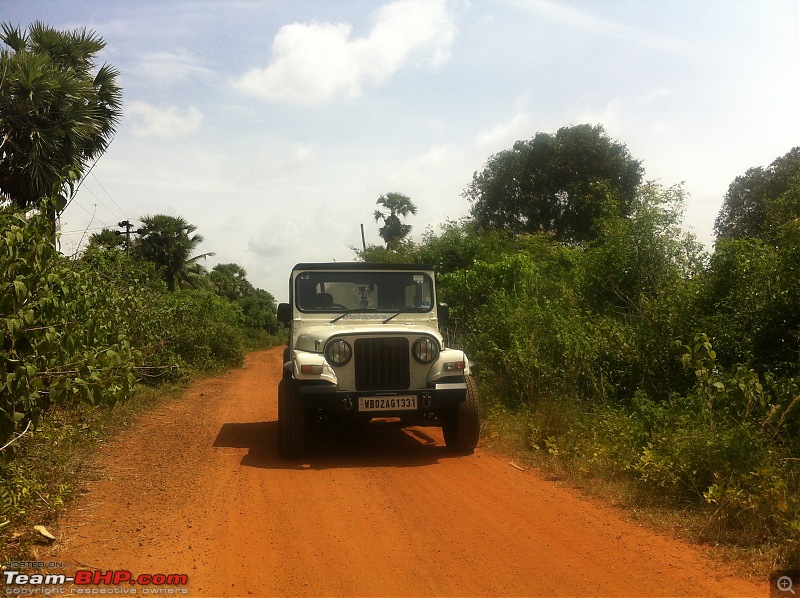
(638, 258)
(394, 230)
(750, 299)
(231, 281)
(56, 114)
(195, 276)
(258, 306)
(106, 239)
(259, 310)
(165, 241)
(761, 200)
(558, 183)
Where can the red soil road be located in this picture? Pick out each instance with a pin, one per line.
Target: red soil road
(196, 487)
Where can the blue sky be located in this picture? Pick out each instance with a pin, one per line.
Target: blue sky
(273, 126)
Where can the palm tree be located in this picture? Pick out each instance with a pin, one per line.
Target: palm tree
(56, 115)
(165, 241)
(393, 230)
(106, 239)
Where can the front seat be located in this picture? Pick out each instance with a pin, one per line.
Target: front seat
(323, 300)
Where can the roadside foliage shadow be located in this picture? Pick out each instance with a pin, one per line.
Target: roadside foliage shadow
(381, 443)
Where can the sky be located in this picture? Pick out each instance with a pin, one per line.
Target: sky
(274, 126)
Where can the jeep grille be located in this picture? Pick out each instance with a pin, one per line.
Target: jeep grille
(382, 363)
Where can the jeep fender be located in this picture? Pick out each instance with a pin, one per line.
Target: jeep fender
(448, 356)
(312, 360)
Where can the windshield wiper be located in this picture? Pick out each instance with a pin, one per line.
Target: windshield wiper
(392, 316)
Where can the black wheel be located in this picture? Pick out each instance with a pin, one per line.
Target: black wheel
(291, 421)
(462, 426)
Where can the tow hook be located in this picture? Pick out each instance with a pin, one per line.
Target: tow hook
(426, 401)
(347, 402)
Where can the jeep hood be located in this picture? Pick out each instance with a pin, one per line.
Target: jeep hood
(313, 338)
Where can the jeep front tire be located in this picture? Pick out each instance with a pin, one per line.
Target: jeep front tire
(291, 421)
(462, 425)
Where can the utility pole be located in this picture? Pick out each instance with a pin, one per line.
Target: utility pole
(363, 240)
(127, 226)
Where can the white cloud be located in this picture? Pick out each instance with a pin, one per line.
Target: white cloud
(624, 115)
(169, 66)
(451, 164)
(438, 156)
(583, 20)
(301, 151)
(314, 63)
(274, 238)
(505, 134)
(164, 123)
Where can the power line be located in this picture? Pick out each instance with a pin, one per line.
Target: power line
(100, 201)
(82, 230)
(93, 216)
(74, 193)
(83, 179)
(94, 176)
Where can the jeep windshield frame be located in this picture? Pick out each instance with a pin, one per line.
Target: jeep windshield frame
(385, 288)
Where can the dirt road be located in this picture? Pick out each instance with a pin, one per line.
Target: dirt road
(197, 488)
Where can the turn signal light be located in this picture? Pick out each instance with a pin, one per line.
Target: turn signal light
(311, 369)
(454, 366)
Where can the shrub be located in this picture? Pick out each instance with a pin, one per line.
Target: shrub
(60, 343)
(731, 442)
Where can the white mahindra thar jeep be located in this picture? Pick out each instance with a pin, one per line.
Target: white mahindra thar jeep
(364, 342)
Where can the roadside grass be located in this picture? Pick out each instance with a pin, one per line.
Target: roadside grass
(54, 461)
(256, 339)
(551, 438)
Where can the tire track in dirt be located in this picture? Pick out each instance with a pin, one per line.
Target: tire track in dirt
(196, 487)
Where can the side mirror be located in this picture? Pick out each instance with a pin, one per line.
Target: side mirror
(443, 312)
(284, 313)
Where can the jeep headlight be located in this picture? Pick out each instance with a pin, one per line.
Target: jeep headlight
(338, 352)
(425, 349)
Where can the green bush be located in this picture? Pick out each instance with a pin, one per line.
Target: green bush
(172, 332)
(750, 301)
(207, 330)
(86, 330)
(731, 442)
(60, 342)
(522, 322)
(728, 448)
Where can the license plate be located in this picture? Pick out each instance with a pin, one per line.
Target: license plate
(387, 403)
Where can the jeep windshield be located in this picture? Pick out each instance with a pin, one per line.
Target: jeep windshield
(337, 291)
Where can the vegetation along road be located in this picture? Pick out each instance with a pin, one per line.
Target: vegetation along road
(197, 488)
